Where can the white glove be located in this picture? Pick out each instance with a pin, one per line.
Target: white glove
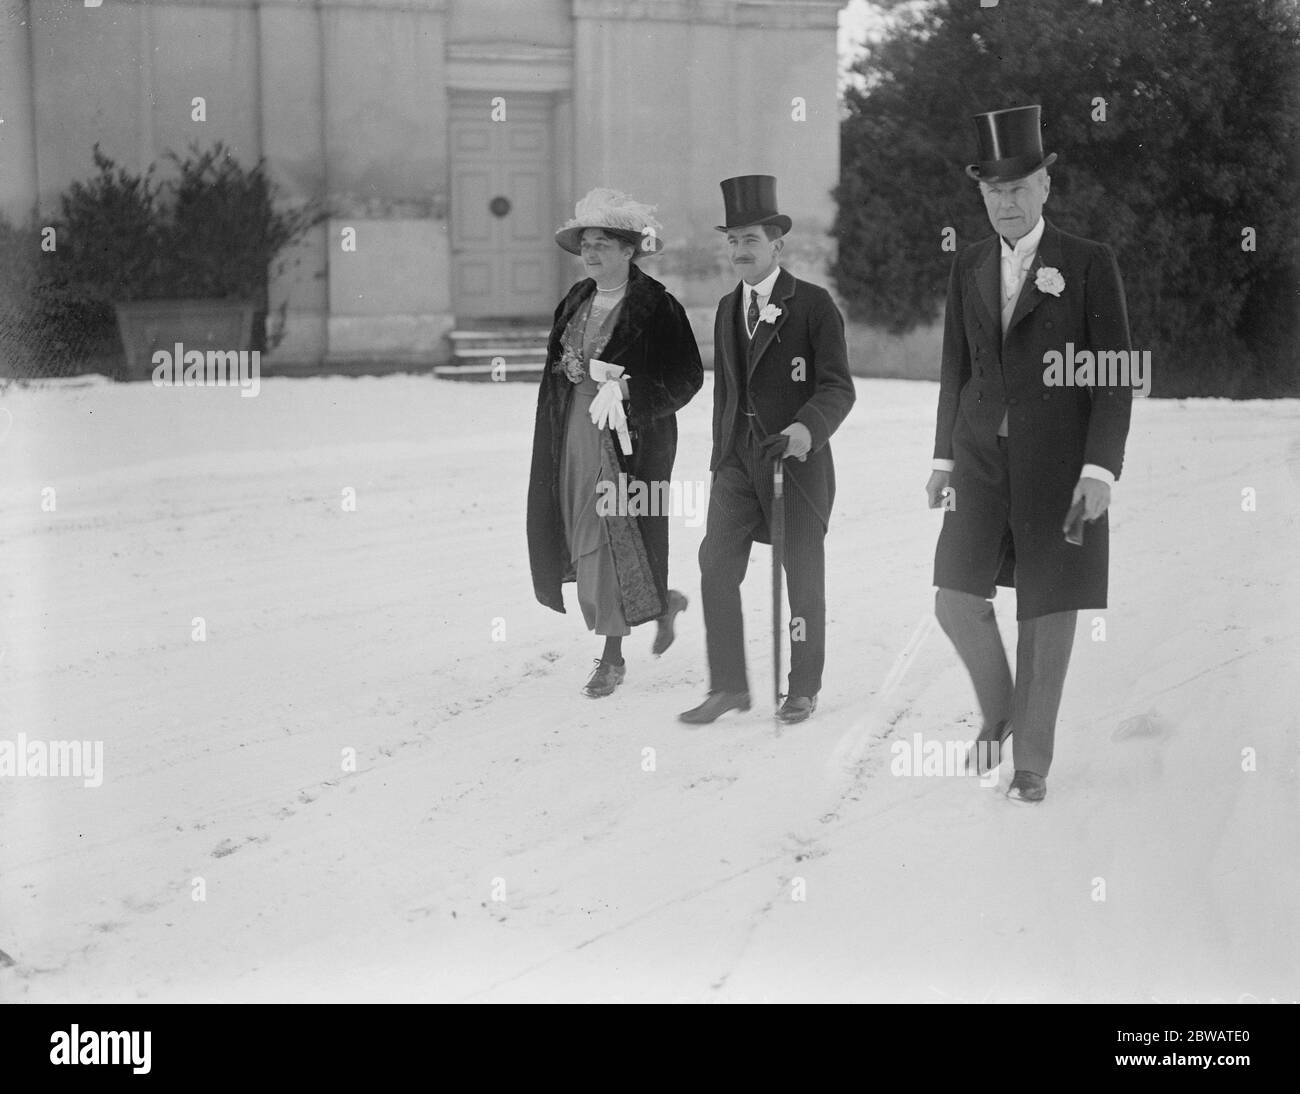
(607, 406)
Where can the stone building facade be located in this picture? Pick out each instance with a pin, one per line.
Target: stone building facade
(451, 136)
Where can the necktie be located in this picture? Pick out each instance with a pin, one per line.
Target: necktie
(1013, 273)
(751, 316)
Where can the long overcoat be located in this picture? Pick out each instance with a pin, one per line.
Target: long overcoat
(653, 341)
(797, 370)
(1006, 528)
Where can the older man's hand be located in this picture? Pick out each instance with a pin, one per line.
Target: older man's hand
(935, 487)
(1096, 497)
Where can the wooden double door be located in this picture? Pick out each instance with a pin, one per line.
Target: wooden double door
(503, 252)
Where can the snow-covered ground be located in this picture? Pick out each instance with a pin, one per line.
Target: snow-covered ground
(504, 838)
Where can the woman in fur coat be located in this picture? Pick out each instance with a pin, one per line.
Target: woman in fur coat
(621, 361)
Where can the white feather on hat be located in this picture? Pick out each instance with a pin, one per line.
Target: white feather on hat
(614, 211)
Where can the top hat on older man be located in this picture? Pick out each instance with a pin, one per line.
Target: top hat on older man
(1010, 144)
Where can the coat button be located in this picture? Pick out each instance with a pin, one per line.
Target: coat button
(1013, 401)
(1046, 395)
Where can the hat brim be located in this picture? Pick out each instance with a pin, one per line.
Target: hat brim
(779, 219)
(570, 239)
(1018, 167)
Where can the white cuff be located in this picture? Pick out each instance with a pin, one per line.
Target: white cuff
(942, 465)
(1092, 471)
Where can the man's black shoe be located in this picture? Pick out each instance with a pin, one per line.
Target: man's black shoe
(717, 704)
(797, 708)
(987, 752)
(1027, 787)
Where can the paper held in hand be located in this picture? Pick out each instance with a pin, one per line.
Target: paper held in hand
(604, 370)
(608, 372)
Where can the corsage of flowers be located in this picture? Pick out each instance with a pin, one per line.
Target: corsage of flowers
(572, 364)
(1049, 280)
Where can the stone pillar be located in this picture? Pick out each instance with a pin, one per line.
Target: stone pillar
(672, 96)
(293, 141)
(18, 185)
(385, 141)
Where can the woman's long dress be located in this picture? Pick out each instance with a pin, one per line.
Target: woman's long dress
(584, 464)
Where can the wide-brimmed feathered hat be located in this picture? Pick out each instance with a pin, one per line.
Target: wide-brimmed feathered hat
(1011, 144)
(617, 214)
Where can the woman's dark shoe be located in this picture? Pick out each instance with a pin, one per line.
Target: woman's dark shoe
(664, 635)
(604, 680)
(716, 705)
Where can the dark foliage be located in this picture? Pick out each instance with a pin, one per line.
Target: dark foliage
(212, 232)
(1202, 121)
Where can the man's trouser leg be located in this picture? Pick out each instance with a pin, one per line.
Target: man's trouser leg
(1042, 658)
(734, 515)
(805, 576)
(968, 620)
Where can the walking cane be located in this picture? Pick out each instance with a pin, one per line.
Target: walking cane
(778, 560)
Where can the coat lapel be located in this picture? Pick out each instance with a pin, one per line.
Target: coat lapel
(782, 291)
(732, 354)
(572, 303)
(1048, 254)
(638, 305)
(988, 280)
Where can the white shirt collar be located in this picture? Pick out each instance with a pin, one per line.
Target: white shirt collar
(1026, 245)
(763, 288)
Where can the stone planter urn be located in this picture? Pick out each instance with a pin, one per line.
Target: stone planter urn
(146, 326)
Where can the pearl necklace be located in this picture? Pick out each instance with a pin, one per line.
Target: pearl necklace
(615, 288)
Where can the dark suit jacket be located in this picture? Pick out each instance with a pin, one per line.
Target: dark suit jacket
(798, 371)
(1053, 430)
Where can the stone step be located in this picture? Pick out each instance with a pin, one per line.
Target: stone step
(471, 339)
(531, 370)
(468, 352)
(501, 332)
(475, 351)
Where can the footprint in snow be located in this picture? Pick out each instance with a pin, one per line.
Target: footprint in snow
(1149, 725)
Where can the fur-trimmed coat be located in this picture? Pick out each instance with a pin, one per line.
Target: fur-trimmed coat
(653, 341)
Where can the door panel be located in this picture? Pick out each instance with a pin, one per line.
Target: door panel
(503, 260)
(527, 278)
(526, 225)
(472, 224)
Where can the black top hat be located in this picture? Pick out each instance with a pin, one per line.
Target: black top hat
(751, 199)
(1011, 144)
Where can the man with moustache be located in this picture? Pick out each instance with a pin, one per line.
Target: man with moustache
(1013, 453)
(781, 388)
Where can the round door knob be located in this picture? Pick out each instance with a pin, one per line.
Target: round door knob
(499, 206)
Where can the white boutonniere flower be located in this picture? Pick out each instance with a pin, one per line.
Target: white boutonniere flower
(769, 313)
(1049, 280)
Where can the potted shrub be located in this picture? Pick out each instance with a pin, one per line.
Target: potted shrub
(45, 329)
(188, 260)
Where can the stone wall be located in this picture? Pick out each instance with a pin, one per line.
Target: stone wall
(349, 99)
